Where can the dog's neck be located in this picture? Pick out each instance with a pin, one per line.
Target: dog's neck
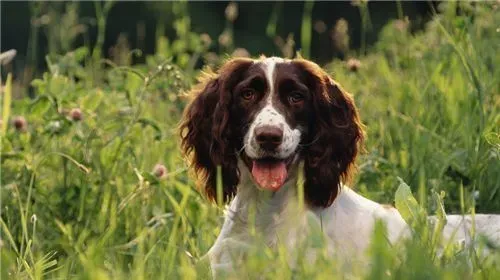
(270, 212)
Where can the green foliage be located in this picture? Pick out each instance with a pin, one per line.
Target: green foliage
(430, 102)
(81, 197)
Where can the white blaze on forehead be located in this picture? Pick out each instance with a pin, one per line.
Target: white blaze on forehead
(268, 115)
(269, 65)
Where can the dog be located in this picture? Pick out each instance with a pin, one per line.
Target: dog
(265, 122)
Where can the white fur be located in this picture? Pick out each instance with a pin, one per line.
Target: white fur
(347, 224)
(268, 115)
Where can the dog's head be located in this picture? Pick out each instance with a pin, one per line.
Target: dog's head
(271, 113)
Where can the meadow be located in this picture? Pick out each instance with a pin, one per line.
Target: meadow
(93, 185)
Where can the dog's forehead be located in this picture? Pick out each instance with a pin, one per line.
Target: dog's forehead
(273, 60)
(270, 66)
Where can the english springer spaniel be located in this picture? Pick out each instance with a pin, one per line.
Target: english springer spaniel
(267, 122)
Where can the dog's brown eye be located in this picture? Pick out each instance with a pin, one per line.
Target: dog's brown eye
(248, 94)
(295, 98)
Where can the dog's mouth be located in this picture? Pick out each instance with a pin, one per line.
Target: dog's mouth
(270, 173)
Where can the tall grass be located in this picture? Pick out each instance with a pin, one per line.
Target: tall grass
(82, 198)
(306, 29)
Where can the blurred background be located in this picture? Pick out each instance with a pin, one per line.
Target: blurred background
(271, 28)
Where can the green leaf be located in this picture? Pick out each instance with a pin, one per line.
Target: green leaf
(108, 153)
(153, 180)
(80, 53)
(406, 204)
(57, 84)
(38, 83)
(92, 100)
(40, 106)
(133, 83)
(493, 139)
(6, 146)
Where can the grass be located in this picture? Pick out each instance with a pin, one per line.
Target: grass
(81, 198)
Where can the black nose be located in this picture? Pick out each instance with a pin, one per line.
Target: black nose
(268, 137)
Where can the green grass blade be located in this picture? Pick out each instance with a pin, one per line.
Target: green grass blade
(7, 96)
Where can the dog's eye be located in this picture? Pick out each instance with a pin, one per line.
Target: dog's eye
(295, 97)
(248, 94)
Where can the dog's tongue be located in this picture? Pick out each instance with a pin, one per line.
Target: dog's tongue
(269, 175)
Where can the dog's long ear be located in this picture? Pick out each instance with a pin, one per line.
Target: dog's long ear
(205, 131)
(336, 135)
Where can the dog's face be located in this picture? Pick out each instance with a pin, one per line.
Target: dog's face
(271, 113)
(272, 106)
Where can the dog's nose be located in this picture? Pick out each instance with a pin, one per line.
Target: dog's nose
(268, 137)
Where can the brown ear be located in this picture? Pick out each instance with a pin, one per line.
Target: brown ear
(336, 134)
(205, 131)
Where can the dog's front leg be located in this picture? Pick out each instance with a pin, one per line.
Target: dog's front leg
(224, 254)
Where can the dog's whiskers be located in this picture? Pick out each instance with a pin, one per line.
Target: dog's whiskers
(242, 149)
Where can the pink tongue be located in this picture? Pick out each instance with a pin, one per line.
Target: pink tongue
(269, 175)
